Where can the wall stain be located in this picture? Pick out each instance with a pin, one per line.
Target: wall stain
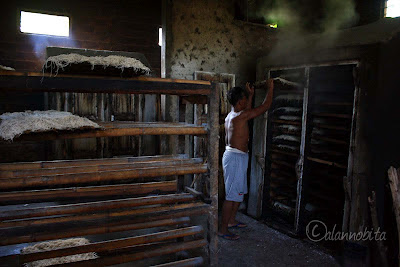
(207, 37)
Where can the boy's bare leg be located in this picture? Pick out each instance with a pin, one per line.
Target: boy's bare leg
(232, 219)
(227, 210)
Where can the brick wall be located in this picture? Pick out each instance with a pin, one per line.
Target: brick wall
(106, 25)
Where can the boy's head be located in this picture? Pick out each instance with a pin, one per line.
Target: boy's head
(238, 97)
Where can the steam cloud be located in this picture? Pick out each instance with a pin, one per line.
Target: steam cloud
(299, 18)
(309, 15)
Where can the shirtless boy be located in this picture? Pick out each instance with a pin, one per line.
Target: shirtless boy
(235, 159)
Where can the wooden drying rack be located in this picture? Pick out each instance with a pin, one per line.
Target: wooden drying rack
(77, 180)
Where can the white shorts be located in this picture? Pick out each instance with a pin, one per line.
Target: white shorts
(235, 175)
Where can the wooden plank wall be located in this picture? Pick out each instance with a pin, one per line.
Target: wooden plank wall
(102, 107)
(228, 81)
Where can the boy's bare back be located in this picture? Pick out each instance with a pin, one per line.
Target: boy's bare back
(236, 126)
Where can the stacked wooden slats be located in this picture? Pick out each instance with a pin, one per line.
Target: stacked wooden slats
(332, 88)
(120, 128)
(127, 207)
(86, 208)
(284, 133)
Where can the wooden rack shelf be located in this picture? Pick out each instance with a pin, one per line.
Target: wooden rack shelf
(287, 122)
(87, 192)
(108, 173)
(75, 198)
(331, 127)
(330, 163)
(119, 128)
(331, 140)
(16, 170)
(44, 82)
(333, 115)
(277, 150)
(347, 104)
(67, 217)
(108, 245)
(88, 162)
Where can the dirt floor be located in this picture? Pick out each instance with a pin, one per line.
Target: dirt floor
(260, 245)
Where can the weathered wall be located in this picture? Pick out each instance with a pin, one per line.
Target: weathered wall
(203, 35)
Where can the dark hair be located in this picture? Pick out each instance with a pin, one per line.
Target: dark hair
(235, 94)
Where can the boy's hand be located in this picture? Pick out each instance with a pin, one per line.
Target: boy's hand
(250, 89)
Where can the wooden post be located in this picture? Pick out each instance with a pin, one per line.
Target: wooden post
(394, 188)
(257, 166)
(304, 148)
(189, 116)
(197, 143)
(374, 217)
(213, 154)
(347, 182)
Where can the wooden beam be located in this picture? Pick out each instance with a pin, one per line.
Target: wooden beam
(284, 152)
(91, 207)
(93, 230)
(107, 245)
(194, 99)
(287, 122)
(109, 215)
(90, 177)
(118, 128)
(86, 192)
(331, 127)
(197, 261)
(326, 162)
(97, 168)
(43, 82)
(331, 140)
(283, 163)
(347, 104)
(123, 258)
(333, 115)
(86, 162)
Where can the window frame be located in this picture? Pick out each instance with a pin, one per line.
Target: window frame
(44, 12)
(385, 6)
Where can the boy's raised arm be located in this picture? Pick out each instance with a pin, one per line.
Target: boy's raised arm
(250, 90)
(250, 113)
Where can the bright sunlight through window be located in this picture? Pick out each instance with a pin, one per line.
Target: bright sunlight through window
(44, 24)
(393, 8)
(160, 36)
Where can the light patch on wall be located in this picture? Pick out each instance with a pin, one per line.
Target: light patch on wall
(44, 24)
(392, 8)
(160, 36)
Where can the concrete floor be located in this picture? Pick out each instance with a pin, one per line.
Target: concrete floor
(260, 245)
